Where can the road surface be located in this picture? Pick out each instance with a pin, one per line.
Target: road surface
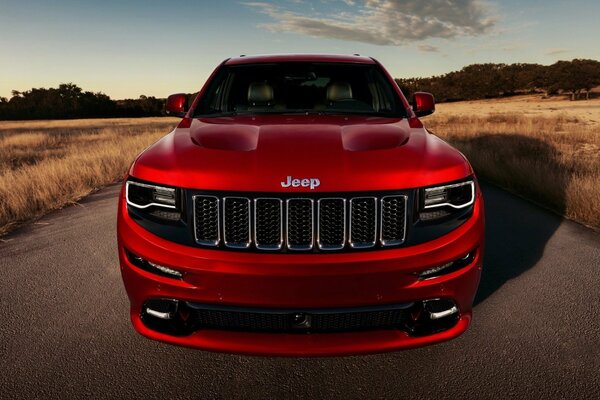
(65, 331)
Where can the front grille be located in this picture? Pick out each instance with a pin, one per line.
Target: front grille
(332, 224)
(363, 222)
(393, 220)
(268, 220)
(206, 220)
(311, 320)
(300, 224)
(236, 222)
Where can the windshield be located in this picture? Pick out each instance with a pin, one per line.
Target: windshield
(300, 87)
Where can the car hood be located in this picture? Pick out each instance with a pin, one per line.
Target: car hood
(257, 153)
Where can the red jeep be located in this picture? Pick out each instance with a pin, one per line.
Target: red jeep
(301, 208)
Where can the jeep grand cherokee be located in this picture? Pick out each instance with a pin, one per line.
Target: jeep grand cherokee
(301, 208)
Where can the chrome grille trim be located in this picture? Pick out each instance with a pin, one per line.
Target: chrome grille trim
(363, 245)
(200, 241)
(296, 224)
(256, 242)
(287, 224)
(395, 242)
(238, 245)
(326, 246)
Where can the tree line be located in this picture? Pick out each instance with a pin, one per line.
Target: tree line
(481, 81)
(476, 81)
(70, 101)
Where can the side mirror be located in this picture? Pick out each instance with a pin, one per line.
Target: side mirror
(423, 104)
(176, 105)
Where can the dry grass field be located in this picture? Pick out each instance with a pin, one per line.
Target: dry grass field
(45, 165)
(547, 150)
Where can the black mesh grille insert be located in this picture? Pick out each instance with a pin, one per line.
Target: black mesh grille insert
(393, 220)
(298, 321)
(268, 223)
(236, 231)
(206, 209)
(300, 224)
(332, 223)
(363, 221)
(311, 223)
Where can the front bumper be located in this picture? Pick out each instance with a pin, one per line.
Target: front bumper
(301, 281)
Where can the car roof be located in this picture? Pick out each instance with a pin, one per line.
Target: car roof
(275, 58)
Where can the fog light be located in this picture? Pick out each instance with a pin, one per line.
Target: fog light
(153, 267)
(434, 271)
(165, 270)
(448, 267)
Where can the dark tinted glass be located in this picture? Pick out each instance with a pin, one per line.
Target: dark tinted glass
(300, 87)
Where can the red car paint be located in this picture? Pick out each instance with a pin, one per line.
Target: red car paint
(257, 154)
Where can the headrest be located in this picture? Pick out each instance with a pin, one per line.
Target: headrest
(337, 91)
(260, 92)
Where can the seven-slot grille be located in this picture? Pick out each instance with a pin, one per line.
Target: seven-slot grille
(300, 224)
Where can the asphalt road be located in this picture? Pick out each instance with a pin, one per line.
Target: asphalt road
(65, 332)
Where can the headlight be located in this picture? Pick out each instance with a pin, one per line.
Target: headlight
(154, 199)
(443, 200)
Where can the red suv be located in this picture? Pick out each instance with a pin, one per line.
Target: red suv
(301, 208)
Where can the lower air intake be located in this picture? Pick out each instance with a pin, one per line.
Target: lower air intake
(310, 320)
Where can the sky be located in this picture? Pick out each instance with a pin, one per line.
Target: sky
(154, 48)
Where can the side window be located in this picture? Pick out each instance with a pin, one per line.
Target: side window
(384, 93)
(214, 103)
(375, 95)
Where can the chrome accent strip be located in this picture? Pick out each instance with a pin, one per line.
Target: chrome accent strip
(442, 314)
(397, 241)
(330, 247)
(206, 242)
(159, 314)
(287, 224)
(364, 245)
(472, 183)
(237, 245)
(131, 203)
(269, 247)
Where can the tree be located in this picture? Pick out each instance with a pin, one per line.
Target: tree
(70, 101)
(478, 81)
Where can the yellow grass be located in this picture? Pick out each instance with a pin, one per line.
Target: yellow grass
(546, 150)
(45, 165)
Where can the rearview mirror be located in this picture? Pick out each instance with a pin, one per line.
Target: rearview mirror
(176, 105)
(423, 104)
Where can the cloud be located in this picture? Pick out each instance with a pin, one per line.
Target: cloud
(428, 48)
(385, 22)
(514, 46)
(557, 51)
